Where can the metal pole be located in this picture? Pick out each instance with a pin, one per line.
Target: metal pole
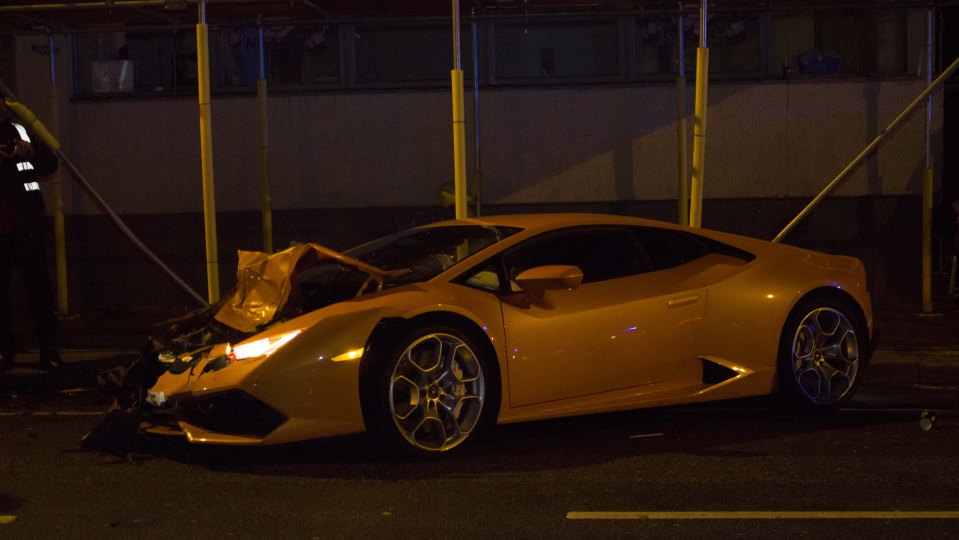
(206, 155)
(267, 199)
(41, 131)
(869, 148)
(59, 230)
(699, 123)
(98, 200)
(84, 5)
(477, 169)
(459, 124)
(927, 181)
(681, 156)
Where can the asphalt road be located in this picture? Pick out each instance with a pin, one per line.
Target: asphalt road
(603, 476)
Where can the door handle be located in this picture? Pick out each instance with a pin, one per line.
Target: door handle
(684, 301)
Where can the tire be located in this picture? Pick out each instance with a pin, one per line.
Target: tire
(822, 354)
(432, 392)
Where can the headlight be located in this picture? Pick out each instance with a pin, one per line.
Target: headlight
(261, 347)
(224, 354)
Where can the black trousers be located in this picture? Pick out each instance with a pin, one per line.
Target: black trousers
(23, 251)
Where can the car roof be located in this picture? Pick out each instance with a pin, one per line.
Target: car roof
(533, 224)
(555, 221)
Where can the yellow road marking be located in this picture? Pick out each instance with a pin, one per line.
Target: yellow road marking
(7, 519)
(894, 514)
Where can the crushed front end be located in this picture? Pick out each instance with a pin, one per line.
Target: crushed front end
(180, 385)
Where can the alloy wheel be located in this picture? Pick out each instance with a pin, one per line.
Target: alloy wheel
(825, 356)
(436, 392)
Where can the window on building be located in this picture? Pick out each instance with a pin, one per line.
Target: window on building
(841, 42)
(547, 49)
(408, 53)
(301, 55)
(657, 42)
(234, 57)
(519, 50)
(734, 41)
(735, 44)
(111, 63)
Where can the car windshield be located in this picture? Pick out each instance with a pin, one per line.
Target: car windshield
(426, 252)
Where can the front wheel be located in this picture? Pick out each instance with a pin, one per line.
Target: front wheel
(432, 392)
(821, 354)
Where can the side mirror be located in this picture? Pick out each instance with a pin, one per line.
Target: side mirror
(550, 277)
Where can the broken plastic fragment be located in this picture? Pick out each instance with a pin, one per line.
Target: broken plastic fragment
(157, 399)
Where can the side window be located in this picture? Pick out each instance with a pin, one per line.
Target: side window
(667, 248)
(600, 253)
(485, 277)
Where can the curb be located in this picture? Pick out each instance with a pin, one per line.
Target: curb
(929, 367)
(96, 359)
(70, 356)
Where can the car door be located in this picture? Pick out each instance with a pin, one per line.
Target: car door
(624, 326)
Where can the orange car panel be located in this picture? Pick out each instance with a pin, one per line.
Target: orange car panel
(600, 337)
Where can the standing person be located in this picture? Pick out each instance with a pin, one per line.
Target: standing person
(953, 289)
(23, 160)
(955, 208)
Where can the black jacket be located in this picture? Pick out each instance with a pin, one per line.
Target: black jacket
(21, 202)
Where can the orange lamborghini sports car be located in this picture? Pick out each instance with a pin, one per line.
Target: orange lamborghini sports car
(429, 336)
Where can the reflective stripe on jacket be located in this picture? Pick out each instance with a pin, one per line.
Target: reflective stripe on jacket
(23, 165)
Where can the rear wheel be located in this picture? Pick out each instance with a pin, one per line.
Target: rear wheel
(821, 354)
(432, 393)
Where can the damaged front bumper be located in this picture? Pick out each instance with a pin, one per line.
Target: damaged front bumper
(232, 417)
(189, 399)
(270, 388)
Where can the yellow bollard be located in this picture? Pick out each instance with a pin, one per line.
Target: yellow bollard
(459, 145)
(206, 160)
(699, 138)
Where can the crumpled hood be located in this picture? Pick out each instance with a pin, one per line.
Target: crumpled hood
(266, 283)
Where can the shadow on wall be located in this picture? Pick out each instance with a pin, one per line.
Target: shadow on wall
(764, 141)
(580, 144)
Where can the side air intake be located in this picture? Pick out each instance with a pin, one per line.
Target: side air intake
(714, 373)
